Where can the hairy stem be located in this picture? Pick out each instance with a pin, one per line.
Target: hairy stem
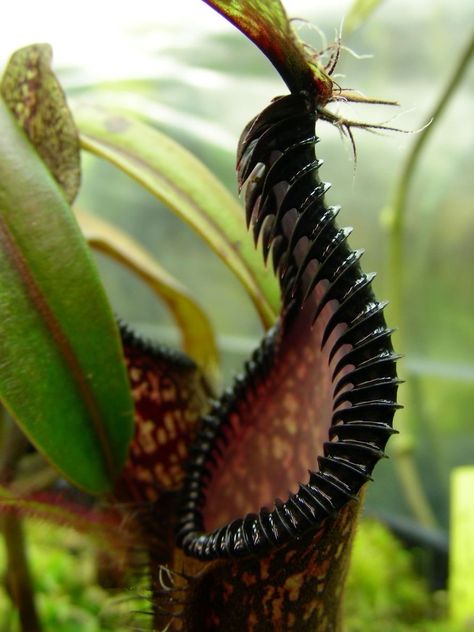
(18, 576)
(405, 465)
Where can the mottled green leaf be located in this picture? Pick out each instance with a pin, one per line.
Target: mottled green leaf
(62, 375)
(197, 334)
(266, 24)
(188, 188)
(34, 95)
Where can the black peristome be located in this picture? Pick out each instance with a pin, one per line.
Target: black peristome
(278, 147)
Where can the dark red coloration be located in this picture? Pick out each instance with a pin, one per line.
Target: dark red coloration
(300, 432)
(169, 394)
(272, 436)
(295, 588)
(266, 24)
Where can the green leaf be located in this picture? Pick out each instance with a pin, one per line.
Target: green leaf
(359, 13)
(62, 375)
(188, 188)
(266, 24)
(197, 334)
(36, 99)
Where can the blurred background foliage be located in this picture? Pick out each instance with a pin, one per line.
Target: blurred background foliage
(183, 68)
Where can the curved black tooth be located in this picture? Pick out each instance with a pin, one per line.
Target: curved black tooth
(332, 269)
(332, 487)
(360, 326)
(308, 216)
(285, 517)
(359, 285)
(253, 536)
(372, 348)
(368, 411)
(366, 432)
(349, 474)
(333, 484)
(295, 126)
(366, 347)
(246, 163)
(302, 186)
(377, 389)
(288, 287)
(253, 187)
(278, 250)
(303, 508)
(331, 248)
(362, 452)
(299, 154)
(370, 370)
(318, 501)
(266, 237)
(267, 524)
(315, 237)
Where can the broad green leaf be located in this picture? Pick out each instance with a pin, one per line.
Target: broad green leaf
(266, 24)
(36, 99)
(188, 188)
(358, 13)
(197, 334)
(62, 375)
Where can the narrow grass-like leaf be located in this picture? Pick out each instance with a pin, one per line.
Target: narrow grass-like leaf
(266, 24)
(62, 375)
(36, 99)
(187, 187)
(358, 13)
(197, 334)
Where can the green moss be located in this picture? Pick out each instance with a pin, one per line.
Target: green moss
(384, 593)
(63, 565)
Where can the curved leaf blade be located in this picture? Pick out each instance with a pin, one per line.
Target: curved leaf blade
(197, 334)
(188, 188)
(36, 99)
(62, 374)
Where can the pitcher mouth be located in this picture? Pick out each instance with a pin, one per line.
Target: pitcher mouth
(316, 400)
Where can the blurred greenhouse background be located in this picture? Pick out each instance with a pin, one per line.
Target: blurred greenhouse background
(182, 67)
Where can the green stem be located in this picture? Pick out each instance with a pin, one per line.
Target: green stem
(399, 207)
(405, 465)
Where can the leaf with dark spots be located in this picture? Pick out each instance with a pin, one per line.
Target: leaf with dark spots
(170, 394)
(62, 374)
(36, 99)
(266, 24)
